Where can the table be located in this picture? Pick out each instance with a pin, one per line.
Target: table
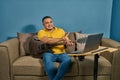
(96, 54)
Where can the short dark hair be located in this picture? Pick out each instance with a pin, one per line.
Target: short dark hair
(46, 18)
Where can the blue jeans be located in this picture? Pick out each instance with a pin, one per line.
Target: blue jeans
(53, 72)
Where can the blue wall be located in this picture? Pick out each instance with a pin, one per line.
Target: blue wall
(89, 16)
(115, 22)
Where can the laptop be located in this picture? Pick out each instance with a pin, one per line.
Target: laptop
(92, 42)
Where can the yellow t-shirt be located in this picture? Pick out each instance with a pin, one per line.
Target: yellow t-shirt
(57, 33)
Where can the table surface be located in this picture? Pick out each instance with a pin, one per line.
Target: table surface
(100, 50)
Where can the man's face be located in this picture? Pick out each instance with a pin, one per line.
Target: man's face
(48, 24)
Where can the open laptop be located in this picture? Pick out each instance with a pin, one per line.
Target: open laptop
(92, 42)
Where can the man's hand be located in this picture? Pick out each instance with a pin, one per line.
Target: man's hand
(67, 40)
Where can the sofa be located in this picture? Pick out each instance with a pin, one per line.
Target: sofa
(13, 66)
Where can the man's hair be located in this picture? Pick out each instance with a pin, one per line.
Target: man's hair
(46, 18)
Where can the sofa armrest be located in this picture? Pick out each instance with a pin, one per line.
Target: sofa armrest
(116, 66)
(114, 57)
(110, 43)
(9, 52)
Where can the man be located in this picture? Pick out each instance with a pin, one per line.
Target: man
(55, 36)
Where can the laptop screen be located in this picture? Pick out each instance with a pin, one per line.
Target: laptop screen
(93, 42)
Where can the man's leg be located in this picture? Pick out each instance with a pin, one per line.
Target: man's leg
(49, 59)
(65, 62)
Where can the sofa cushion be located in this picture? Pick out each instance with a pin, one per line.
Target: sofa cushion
(31, 66)
(71, 36)
(28, 65)
(86, 67)
(77, 46)
(24, 39)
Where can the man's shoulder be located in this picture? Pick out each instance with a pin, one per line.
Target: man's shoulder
(58, 28)
(41, 31)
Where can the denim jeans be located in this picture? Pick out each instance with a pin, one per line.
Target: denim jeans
(53, 72)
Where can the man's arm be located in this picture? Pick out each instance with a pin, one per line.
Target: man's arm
(57, 41)
(48, 40)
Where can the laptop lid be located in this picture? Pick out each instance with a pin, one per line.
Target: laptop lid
(93, 42)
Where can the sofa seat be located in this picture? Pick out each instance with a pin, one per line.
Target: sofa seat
(87, 65)
(30, 66)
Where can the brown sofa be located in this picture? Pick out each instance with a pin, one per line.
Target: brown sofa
(16, 67)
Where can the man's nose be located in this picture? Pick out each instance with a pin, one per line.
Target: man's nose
(49, 24)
